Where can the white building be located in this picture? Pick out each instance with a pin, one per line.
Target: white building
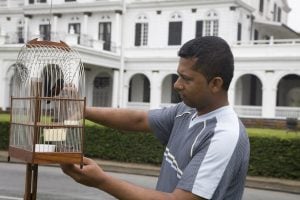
(129, 48)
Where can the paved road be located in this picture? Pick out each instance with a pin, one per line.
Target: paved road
(54, 185)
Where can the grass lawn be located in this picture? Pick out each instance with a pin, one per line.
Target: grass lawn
(280, 133)
(4, 117)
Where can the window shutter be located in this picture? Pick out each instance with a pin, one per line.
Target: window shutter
(199, 28)
(239, 33)
(138, 31)
(256, 34)
(261, 6)
(175, 31)
(275, 12)
(45, 31)
(279, 14)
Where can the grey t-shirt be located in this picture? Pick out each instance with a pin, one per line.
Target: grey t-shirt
(207, 155)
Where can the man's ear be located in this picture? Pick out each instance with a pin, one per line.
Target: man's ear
(216, 84)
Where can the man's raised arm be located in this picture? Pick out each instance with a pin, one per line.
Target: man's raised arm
(122, 119)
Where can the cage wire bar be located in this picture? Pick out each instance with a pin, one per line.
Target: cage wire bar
(47, 108)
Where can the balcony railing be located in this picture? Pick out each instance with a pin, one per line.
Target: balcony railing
(248, 111)
(12, 38)
(287, 112)
(86, 40)
(138, 105)
(76, 39)
(256, 111)
(269, 42)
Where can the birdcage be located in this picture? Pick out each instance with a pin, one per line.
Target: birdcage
(47, 104)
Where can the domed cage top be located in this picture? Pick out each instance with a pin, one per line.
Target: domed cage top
(47, 104)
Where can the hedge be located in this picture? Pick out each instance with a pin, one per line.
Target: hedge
(270, 156)
(275, 157)
(110, 144)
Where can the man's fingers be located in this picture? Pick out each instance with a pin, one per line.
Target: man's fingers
(73, 171)
(69, 168)
(87, 161)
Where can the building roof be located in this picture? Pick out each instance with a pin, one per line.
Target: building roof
(278, 29)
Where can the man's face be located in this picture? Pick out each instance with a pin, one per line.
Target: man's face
(192, 85)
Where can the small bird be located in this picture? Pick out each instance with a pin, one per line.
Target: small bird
(55, 90)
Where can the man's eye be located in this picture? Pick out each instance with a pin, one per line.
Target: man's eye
(186, 78)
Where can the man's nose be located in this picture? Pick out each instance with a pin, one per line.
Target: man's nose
(177, 85)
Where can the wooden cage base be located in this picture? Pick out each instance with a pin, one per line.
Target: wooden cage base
(45, 157)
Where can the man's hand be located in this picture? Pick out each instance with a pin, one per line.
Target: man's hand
(93, 176)
(90, 175)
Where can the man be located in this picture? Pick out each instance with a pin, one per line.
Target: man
(207, 148)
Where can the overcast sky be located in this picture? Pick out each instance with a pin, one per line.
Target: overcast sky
(294, 15)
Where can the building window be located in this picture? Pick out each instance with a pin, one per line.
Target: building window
(45, 30)
(275, 12)
(31, 1)
(211, 24)
(175, 29)
(211, 27)
(239, 32)
(279, 14)
(20, 33)
(69, 0)
(102, 92)
(139, 89)
(41, 1)
(199, 29)
(261, 6)
(74, 28)
(141, 34)
(141, 31)
(175, 32)
(105, 34)
(256, 34)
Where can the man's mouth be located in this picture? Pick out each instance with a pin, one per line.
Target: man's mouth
(181, 95)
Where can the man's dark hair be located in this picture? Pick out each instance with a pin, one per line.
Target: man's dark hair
(214, 57)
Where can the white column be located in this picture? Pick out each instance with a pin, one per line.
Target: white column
(2, 86)
(6, 98)
(269, 102)
(89, 87)
(269, 97)
(26, 29)
(155, 90)
(125, 88)
(85, 23)
(54, 27)
(115, 88)
(2, 37)
(231, 95)
(117, 33)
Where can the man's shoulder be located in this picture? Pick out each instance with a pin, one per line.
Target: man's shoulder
(182, 109)
(178, 108)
